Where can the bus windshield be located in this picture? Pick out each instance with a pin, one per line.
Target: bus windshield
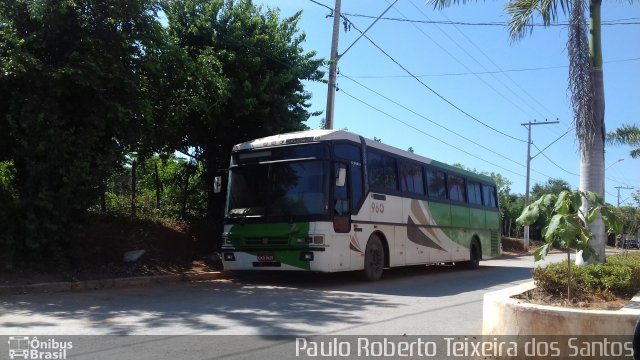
(278, 190)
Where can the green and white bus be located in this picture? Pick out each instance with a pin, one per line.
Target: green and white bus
(331, 200)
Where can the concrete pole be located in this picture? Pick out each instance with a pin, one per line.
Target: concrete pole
(529, 158)
(333, 66)
(526, 194)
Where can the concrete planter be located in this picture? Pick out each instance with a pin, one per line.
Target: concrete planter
(503, 315)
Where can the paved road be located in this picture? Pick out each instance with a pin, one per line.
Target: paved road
(418, 300)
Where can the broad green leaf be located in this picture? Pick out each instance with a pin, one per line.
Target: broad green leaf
(551, 229)
(592, 215)
(576, 201)
(529, 215)
(562, 204)
(541, 252)
(593, 198)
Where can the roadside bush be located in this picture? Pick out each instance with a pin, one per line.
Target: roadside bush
(618, 277)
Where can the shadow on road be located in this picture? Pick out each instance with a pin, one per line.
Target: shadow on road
(257, 303)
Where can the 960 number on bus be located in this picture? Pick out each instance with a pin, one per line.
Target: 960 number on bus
(377, 208)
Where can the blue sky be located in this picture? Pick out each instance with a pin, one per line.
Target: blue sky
(442, 56)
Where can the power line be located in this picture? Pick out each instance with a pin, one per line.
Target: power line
(630, 21)
(427, 134)
(457, 59)
(553, 162)
(429, 120)
(482, 72)
(326, 6)
(437, 124)
(432, 90)
(478, 48)
(553, 142)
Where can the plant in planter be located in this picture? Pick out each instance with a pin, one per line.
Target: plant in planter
(567, 224)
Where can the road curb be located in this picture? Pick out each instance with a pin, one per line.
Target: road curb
(64, 286)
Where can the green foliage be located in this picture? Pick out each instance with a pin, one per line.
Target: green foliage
(168, 188)
(247, 67)
(566, 223)
(552, 186)
(619, 276)
(96, 96)
(68, 92)
(626, 135)
(8, 215)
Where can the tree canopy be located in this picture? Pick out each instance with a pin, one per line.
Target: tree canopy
(89, 86)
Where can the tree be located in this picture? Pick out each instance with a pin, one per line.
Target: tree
(553, 186)
(68, 93)
(246, 70)
(586, 83)
(626, 135)
(566, 223)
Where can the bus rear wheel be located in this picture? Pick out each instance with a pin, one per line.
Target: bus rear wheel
(373, 259)
(475, 256)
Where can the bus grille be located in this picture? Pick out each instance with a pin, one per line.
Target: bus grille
(266, 241)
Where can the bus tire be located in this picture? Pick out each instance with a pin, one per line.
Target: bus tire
(373, 259)
(475, 256)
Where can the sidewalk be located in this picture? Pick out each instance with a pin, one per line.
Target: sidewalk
(62, 286)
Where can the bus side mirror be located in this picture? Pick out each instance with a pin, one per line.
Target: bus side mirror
(341, 177)
(217, 185)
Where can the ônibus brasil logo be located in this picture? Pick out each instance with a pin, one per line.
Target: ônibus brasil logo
(25, 347)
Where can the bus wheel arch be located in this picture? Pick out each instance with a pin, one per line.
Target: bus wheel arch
(376, 256)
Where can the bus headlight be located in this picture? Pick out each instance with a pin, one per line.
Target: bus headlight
(225, 239)
(314, 239)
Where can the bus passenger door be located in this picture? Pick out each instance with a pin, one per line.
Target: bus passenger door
(341, 203)
(340, 251)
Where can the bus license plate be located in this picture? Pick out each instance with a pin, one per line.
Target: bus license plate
(265, 257)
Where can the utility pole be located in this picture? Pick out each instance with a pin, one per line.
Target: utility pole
(529, 158)
(333, 66)
(622, 187)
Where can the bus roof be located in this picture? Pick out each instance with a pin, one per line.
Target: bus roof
(307, 136)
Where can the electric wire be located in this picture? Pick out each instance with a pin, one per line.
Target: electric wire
(553, 162)
(483, 72)
(459, 61)
(553, 142)
(440, 125)
(410, 74)
(434, 91)
(569, 172)
(427, 134)
(630, 21)
(479, 49)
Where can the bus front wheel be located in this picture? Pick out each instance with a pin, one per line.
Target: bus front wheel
(373, 259)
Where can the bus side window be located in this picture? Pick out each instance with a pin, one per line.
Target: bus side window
(436, 185)
(489, 196)
(382, 171)
(474, 193)
(455, 185)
